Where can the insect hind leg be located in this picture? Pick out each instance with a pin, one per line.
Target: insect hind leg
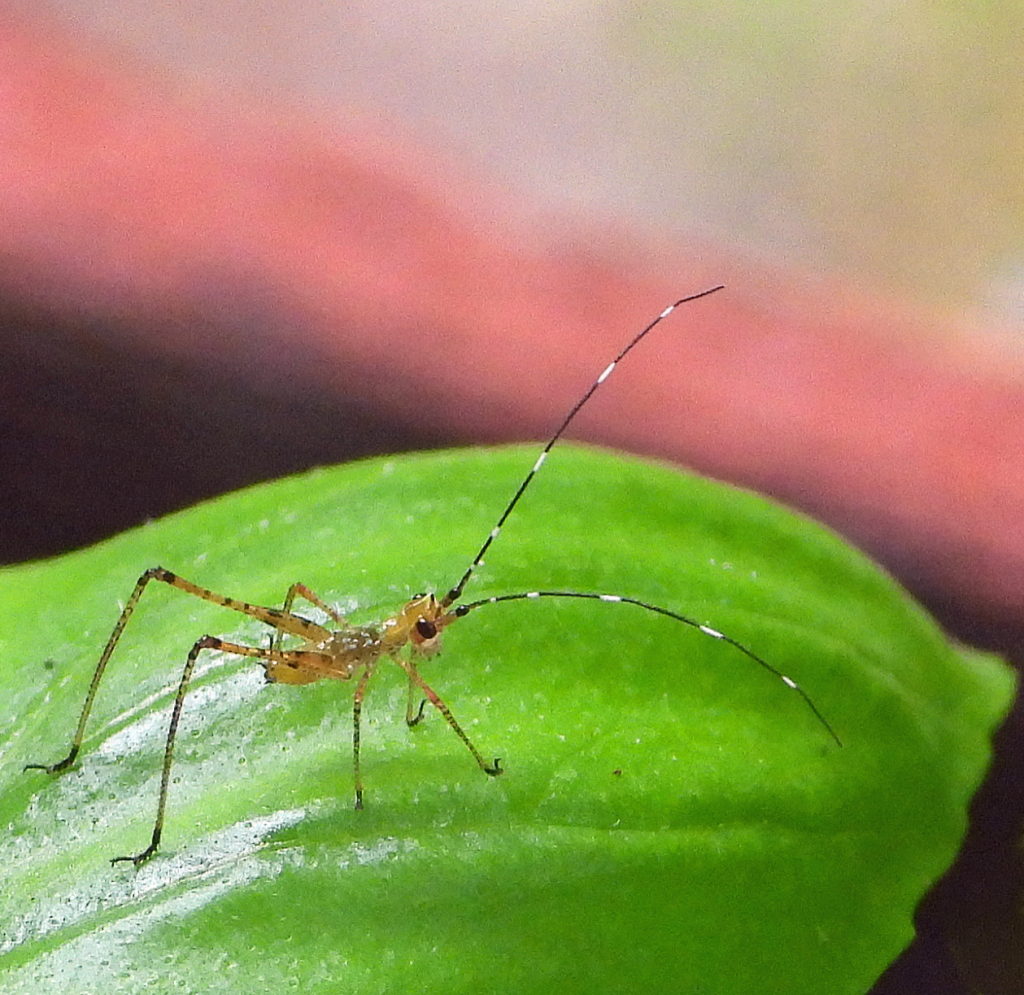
(154, 573)
(303, 660)
(283, 621)
(205, 643)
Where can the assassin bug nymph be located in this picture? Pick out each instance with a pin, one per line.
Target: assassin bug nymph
(350, 652)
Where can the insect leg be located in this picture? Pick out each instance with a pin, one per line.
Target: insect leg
(126, 613)
(357, 711)
(299, 659)
(493, 769)
(207, 642)
(283, 621)
(301, 591)
(414, 714)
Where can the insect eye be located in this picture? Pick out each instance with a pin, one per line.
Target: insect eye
(425, 629)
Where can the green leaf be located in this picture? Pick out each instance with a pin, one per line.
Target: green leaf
(672, 818)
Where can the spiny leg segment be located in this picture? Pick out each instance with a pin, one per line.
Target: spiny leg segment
(494, 768)
(357, 711)
(301, 591)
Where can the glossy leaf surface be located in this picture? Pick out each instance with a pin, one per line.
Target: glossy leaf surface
(672, 818)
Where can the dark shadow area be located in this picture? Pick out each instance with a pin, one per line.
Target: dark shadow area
(971, 924)
(94, 441)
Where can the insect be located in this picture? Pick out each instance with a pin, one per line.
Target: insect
(348, 652)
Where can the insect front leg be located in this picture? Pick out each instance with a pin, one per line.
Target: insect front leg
(494, 769)
(414, 713)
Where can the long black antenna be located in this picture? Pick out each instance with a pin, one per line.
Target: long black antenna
(693, 623)
(456, 592)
